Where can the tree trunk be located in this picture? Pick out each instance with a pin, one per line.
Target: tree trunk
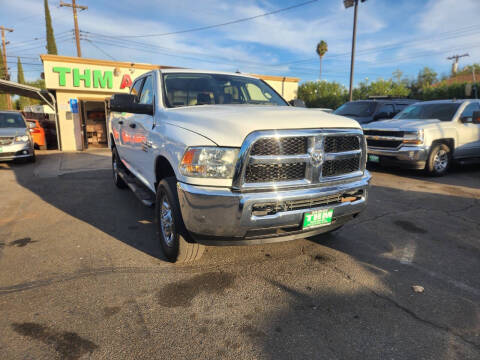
(320, 74)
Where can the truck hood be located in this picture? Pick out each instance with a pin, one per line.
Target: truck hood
(228, 125)
(414, 124)
(12, 131)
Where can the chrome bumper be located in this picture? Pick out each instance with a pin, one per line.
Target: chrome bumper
(218, 215)
(405, 153)
(16, 151)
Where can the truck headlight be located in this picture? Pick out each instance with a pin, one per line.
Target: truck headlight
(209, 162)
(413, 137)
(22, 138)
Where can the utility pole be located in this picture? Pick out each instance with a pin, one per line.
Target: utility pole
(75, 21)
(4, 49)
(347, 4)
(455, 63)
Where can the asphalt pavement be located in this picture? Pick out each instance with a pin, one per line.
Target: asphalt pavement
(82, 276)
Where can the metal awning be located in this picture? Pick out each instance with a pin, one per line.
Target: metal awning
(14, 88)
(45, 96)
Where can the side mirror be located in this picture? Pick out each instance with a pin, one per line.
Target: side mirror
(476, 117)
(297, 103)
(128, 103)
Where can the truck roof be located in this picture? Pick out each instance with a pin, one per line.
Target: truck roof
(195, 71)
(455, 101)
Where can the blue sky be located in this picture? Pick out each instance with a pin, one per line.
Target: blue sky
(392, 34)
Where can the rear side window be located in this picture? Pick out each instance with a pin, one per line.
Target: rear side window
(386, 109)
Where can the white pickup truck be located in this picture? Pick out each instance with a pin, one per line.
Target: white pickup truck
(227, 161)
(427, 135)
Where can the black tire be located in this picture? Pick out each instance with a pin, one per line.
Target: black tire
(439, 160)
(116, 166)
(174, 239)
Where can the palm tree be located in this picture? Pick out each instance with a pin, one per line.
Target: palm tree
(322, 48)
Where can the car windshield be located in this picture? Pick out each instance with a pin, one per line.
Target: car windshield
(357, 108)
(11, 120)
(440, 111)
(187, 89)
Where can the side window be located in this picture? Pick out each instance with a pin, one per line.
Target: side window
(137, 86)
(255, 93)
(468, 111)
(399, 107)
(387, 109)
(147, 91)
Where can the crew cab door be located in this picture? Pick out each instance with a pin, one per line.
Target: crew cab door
(468, 133)
(125, 129)
(142, 124)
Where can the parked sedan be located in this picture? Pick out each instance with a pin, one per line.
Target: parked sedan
(15, 139)
(38, 134)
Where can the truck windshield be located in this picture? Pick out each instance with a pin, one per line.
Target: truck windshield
(11, 120)
(187, 89)
(357, 108)
(442, 112)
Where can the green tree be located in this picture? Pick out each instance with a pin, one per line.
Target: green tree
(51, 45)
(322, 94)
(426, 77)
(322, 48)
(3, 97)
(380, 87)
(22, 101)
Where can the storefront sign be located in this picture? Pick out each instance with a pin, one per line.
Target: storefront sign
(85, 78)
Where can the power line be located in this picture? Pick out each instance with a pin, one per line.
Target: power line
(100, 49)
(221, 24)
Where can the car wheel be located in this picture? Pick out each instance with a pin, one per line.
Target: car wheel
(439, 160)
(174, 239)
(32, 158)
(116, 165)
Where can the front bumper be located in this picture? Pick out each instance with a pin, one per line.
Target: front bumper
(406, 156)
(16, 151)
(222, 217)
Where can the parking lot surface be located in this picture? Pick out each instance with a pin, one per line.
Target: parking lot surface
(82, 276)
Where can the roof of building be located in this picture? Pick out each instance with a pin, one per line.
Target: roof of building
(457, 79)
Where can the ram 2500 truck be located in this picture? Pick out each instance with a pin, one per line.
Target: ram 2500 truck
(427, 135)
(226, 161)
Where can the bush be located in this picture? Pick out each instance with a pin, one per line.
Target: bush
(322, 94)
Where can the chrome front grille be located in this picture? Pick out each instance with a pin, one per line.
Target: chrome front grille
(387, 139)
(275, 159)
(283, 146)
(259, 173)
(6, 140)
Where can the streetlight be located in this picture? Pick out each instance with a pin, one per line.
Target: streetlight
(348, 4)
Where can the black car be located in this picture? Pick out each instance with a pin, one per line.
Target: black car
(373, 109)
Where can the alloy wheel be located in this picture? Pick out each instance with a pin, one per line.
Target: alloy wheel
(166, 222)
(440, 161)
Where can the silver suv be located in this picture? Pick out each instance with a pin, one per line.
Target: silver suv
(15, 139)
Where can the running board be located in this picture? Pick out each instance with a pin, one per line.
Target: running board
(140, 190)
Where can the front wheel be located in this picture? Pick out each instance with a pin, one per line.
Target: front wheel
(439, 160)
(174, 238)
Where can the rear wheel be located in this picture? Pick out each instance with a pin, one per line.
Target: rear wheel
(439, 160)
(174, 238)
(116, 165)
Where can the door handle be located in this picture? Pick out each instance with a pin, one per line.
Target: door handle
(133, 125)
(120, 122)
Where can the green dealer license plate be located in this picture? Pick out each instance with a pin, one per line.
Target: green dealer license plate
(1, 149)
(374, 158)
(318, 218)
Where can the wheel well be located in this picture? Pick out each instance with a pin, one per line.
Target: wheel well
(163, 169)
(449, 142)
